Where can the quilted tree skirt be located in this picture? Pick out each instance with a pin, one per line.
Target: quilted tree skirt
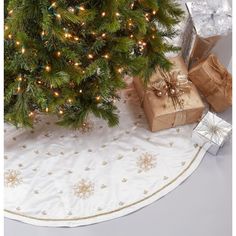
(59, 177)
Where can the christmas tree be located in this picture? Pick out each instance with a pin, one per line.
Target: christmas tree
(69, 57)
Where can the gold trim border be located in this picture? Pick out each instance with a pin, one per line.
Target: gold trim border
(113, 211)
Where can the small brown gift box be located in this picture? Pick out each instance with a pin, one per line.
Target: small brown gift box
(214, 82)
(161, 112)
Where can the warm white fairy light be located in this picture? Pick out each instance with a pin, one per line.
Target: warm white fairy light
(19, 78)
(90, 56)
(17, 43)
(153, 36)
(76, 64)
(80, 91)
(103, 14)
(48, 68)
(6, 27)
(120, 70)
(10, 12)
(106, 56)
(154, 12)
(53, 4)
(56, 94)
(58, 53)
(71, 9)
(103, 35)
(58, 16)
(18, 89)
(46, 109)
(82, 8)
(70, 100)
(117, 14)
(98, 98)
(9, 36)
(76, 38)
(22, 50)
(31, 114)
(131, 36)
(60, 112)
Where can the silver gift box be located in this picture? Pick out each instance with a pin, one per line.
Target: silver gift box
(211, 133)
(206, 23)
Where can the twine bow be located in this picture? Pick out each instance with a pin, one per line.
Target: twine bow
(172, 84)
(226, 79)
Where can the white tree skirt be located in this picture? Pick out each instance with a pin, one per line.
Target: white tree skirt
(59, 177)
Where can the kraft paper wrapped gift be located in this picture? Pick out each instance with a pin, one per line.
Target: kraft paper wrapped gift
(161, 112)
(211, 133)
(207, 23)
(214, 82)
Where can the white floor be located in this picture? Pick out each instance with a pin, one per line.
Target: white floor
(201, 206)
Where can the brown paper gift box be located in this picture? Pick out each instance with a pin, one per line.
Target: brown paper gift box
(160, 111)
(214, 82)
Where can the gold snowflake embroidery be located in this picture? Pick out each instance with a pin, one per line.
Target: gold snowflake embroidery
(83, 189)
(12, 178)
(146, 162)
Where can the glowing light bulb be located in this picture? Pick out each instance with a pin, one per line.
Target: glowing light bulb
(23, 50)
(60, 112)
(39, 82)
(10, 12)
(98, 98)
(76, 38)
(17, 43)
(120, 70)
(103, 35)
(103, 14)
(31, 114)
(58, 54)
(76, 63)
(9, 36)
(70, 100)
(154, 12)
(47, 68)
(6, 27)
(131, 36)
(46, 109)
(82, 8)
(53, 4)
(106, 56)
(80, 91)
(58, 16)
(117, 14)
(90, 56)
(56, 94)
(153, 36)
(19, 78)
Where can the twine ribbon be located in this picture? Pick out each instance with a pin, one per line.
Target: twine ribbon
(225, 82)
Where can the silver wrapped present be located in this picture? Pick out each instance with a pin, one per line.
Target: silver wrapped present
(207, 21)
(211, 133)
